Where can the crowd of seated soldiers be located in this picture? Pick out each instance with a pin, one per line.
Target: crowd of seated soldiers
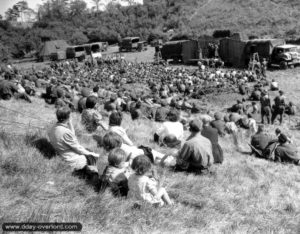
(102, 91)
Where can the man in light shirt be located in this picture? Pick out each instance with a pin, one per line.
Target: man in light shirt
(63, 139)
(274, 85)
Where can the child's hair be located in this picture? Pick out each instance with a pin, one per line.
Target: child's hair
(115, 118)
(116, 157)
(277, 131)
(141, 164)
(111, 140)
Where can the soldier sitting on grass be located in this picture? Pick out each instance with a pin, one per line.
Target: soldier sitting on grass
(63, 139)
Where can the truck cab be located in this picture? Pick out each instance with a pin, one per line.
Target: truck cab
(285, 56)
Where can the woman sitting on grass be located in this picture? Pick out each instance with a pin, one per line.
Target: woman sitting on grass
(90, 117)
(115, 120)
(143, 187)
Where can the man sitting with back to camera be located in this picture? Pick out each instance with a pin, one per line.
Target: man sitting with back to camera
(63, 139)
(196, 154)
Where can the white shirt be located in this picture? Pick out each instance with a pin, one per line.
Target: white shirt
(122, 133)
(134, 151)
(171, 129)
(274, 85)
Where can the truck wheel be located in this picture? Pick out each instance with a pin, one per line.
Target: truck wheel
(283, 65)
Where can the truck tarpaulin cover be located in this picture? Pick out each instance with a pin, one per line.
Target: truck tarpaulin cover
(184, 50)
(232, 52)
(263, 47)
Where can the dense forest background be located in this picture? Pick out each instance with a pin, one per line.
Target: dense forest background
(74, 22)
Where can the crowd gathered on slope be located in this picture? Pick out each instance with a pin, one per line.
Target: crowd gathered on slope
(104, 91)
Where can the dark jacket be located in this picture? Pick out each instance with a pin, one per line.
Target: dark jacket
(212, 134)
(260, 141)
(220, 126)
(7, 89)
(161, 114)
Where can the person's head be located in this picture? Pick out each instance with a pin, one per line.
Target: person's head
(96, 89)
(138, 105)
(91, 102)
(226, 118)
(60, 93)
(281, 92)
(116, 157)
(260, 128)
(282, 138)
(195, 126)
(206, 120)
(63, 114)
(85, 92)
(115, 118)
(173, 115)
(218, 115)
(141, 165)
(111, 140)
(120, 94)
(163, 102)
(113, 97)
(277, 131)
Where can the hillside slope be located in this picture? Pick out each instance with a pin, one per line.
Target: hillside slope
(276, 18)
(253, 17)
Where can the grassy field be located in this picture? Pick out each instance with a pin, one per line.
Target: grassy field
(243, 195)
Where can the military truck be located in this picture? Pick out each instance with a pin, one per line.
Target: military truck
(132, 44)
(184, 51)
(285, 56)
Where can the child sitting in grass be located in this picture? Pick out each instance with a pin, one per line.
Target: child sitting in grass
(117, 172)
(144, 188)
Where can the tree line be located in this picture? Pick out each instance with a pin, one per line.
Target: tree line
(74, 22)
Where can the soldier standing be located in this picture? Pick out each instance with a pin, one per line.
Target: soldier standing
(279, 107)
(265, 103)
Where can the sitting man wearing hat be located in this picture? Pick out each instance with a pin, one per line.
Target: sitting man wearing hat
(62, 137)
(286, 152)
(196, 154)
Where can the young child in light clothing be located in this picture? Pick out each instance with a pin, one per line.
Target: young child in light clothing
(144, 188)
(117, 172)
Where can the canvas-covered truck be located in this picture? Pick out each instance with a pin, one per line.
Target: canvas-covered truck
(275, 51)
(238, 53)
(285, 56)
(132, 44)
(184, 51)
